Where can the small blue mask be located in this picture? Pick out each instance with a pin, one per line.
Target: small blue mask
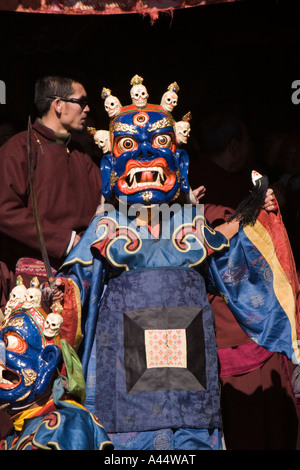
(30, 361)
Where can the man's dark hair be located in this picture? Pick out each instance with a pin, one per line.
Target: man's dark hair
(51, 86)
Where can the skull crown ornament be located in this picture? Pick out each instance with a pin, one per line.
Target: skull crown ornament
(170, 98)
(138, 92)
(53, 321)
(112, 104)
(16, 297)
(33, 295)
(31, 298)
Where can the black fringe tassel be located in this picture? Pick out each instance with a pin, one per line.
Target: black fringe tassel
(249, 209)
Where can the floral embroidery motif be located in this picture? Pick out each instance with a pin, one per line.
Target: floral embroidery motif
(166, 348)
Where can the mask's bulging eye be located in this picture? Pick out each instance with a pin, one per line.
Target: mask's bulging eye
(162, 140)
(15, 343)
(124, 144)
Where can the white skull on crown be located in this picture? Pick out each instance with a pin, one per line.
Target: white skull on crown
(102, 139)
(54, 321)
(33, 295)
(183, 129)
(170, 98)
(112, 104)
(52, 325)
(138, 92)
(16, 297)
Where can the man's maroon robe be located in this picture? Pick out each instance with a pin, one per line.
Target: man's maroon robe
(68, 189)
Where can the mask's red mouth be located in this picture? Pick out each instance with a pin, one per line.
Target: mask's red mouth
(146, 175)
(8, 379)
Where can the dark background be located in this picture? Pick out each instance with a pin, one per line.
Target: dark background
(243, 56)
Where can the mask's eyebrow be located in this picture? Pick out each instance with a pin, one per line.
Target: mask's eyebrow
(123, 127)
(161, 124)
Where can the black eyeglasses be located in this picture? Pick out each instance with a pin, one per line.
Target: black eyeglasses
(83, 102)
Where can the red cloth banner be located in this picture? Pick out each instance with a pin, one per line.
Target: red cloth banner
(102, 7)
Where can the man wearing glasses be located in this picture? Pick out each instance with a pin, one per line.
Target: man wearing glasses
(67, 184)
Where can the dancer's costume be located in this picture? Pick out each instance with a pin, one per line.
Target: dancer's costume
(150, 355)
(60, 425)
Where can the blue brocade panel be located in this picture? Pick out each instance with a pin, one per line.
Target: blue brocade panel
(156, 356)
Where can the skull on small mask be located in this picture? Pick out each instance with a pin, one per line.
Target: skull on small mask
(16, 298)
(53, 325)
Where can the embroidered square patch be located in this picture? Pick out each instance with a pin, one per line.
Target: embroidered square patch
(166, 348)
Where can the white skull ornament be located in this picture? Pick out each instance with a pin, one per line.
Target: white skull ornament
(102, 139)
(53, 325)
(138, 92)
(33, 295)
(170, 98)
(54, 321)
(112, 104)
(16, 297)
(183, 129)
